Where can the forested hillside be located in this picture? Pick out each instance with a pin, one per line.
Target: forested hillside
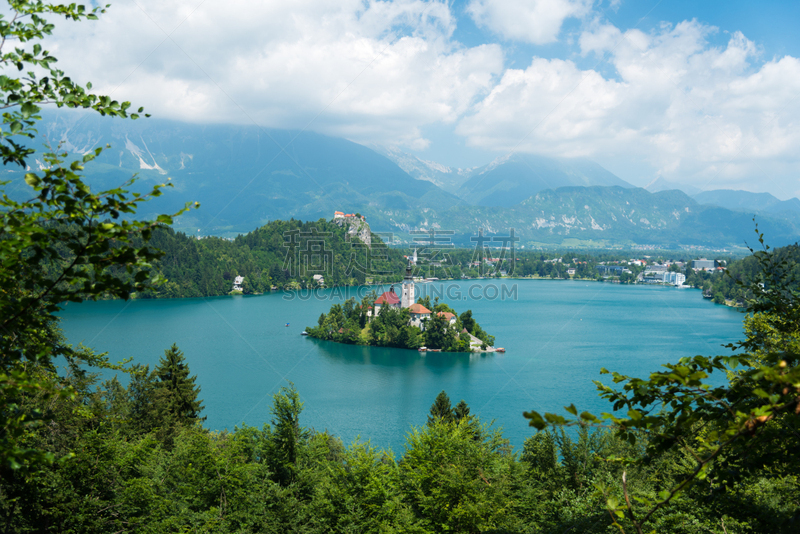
(281, 254)
(733, 285)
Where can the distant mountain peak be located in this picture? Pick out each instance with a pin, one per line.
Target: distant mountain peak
(660, 184)
(515, 176)
(747, 201)
(448, 178)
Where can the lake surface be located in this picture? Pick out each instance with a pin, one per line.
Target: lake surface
(557, 334)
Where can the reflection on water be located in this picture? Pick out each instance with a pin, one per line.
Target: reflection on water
(401, 358)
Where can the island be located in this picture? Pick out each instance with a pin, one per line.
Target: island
(392, 320)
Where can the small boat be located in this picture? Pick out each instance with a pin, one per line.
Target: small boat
(287, 324)
(499, 349)
(423, 349)
(303, 333)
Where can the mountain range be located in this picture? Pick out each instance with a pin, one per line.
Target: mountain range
(244, 176)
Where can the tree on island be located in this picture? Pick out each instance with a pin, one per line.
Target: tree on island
(440, 334)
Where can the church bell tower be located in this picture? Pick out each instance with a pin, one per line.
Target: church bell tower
(408, 288)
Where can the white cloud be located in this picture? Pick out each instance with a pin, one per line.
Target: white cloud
(374, 71)
(370, 71)
(532, 21)
(693, 112)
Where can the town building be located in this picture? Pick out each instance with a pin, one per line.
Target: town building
(704, 265)
(663, 277)
(611, 270)
(237, 283)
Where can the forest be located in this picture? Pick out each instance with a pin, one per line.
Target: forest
(280, 255)
(730, 287)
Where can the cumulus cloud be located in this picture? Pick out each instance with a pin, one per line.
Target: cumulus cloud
(713, 116)
(531, 21)
(667, 102)
(369, 71)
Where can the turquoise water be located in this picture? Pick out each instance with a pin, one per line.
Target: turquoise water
(557, 334)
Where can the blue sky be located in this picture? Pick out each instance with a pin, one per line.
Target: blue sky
(703, 94)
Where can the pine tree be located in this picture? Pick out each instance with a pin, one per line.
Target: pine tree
(286, 437)
(441, 410)
(461, 411)
(177, 389)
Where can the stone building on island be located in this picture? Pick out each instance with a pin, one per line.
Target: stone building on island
(419, 313)
(388, 298)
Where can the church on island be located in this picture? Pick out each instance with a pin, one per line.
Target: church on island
(422, 331)
(406, 300)
(419, 313)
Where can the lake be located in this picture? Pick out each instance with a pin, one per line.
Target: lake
(557, 335)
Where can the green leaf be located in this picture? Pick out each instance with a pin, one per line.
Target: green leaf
(536, 420)
(32, 180)
(15, 127)
(571, 409)
(28, 109)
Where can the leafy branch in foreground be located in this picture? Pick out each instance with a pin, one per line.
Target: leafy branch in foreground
(65, 244)
(750, 422)
(22, 96)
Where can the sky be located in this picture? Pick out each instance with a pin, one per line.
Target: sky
(703, 94)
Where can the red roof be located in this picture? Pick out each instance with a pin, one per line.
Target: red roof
(446, 315)
(388, 297)
(418, 308)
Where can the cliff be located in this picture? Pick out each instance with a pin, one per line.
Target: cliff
(356, 227)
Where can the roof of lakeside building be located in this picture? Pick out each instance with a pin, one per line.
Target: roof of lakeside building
(389, 297)
(446, 315)
(418, 308)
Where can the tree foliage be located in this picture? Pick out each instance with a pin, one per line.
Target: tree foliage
(66, 243)
(727, 431)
